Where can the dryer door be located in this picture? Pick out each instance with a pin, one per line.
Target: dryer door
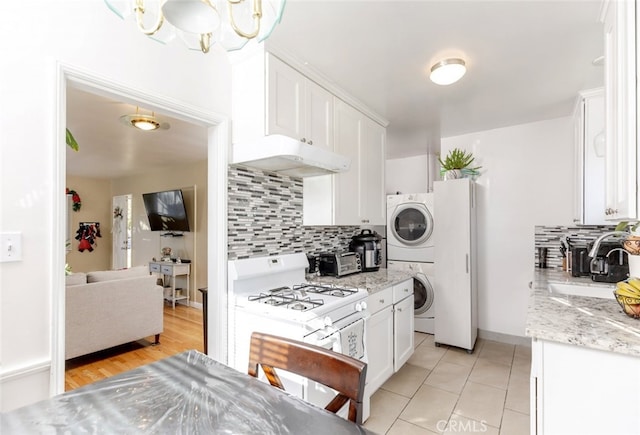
(422, 294)
(411, 223)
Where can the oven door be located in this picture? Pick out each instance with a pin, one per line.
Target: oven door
(346, 336)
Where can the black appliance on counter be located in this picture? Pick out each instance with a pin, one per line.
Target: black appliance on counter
(611, 263)
(339, 263)
(368, 245)
(313, 263)
(580, 261)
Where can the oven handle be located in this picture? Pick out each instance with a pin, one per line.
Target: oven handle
(332, 338)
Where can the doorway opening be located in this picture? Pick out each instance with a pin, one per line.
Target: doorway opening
(215, 146)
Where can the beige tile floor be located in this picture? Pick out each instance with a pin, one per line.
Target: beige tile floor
(444, 390)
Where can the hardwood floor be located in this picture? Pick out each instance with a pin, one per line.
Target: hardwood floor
(182, 331)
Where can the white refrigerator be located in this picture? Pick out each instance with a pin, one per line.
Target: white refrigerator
(455, 276)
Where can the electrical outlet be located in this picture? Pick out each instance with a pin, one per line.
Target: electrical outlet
(11, 247)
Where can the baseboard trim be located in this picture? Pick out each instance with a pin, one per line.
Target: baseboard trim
(197, 305)
(504, 338)
(24, 371)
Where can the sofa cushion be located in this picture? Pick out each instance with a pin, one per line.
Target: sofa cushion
(76, 278)
(110, 275)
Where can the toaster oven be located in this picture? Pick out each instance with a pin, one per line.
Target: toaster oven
(339, 263)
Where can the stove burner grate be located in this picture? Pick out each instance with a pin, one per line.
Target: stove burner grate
(326, 289)
(285, 296)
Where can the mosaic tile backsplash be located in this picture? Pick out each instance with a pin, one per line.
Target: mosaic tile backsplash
(549, 237)
(265, 217)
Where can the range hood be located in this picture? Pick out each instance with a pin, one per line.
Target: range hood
(288, 156)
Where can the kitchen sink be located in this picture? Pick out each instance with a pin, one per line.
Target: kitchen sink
(593, 291)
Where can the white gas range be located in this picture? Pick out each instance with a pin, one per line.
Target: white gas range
(270, 295)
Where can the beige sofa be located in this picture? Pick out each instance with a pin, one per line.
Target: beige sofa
(109, 308)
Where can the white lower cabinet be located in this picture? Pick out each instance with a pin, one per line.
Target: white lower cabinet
(576, 390)
(403, 320)
(389, 335)
(380, 347)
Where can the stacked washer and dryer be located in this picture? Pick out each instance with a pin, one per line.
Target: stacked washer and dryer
(410, 247)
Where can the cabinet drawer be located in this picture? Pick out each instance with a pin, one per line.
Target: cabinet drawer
(166, 269)
(379, 300)
(180, 269)
(154, 268)
(402, 290)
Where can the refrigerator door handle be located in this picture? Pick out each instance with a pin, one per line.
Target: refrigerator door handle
(466, 258)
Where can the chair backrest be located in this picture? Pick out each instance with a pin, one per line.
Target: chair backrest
(340, 372)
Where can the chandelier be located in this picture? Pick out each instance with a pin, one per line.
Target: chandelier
(202, 23)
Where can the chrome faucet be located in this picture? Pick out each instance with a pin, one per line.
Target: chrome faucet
(600, 267)
(620, 255)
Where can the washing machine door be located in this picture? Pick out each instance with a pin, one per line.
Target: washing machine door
(411, 224)
(422, 294)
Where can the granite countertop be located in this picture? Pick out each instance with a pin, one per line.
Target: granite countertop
(595, 323)
(372, 281)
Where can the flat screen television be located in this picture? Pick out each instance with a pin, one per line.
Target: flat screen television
(166, 211)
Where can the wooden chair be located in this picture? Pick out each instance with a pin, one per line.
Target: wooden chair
(339, 372)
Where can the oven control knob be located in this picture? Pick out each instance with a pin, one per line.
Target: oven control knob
(361, 306)
(328, 321)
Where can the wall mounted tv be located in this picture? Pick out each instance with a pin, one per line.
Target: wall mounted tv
(166, 211)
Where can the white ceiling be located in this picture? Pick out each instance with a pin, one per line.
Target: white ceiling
(526, 62)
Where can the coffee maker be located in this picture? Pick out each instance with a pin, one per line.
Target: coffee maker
(611, 263)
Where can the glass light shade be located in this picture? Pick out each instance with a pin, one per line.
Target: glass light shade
(447, 71)
(186, 19)
(191, 16)
(145, 124)
(142, 122)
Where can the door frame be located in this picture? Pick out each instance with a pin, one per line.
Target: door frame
(218, 138)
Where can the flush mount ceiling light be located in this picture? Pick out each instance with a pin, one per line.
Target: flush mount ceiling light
(201, 23)
(143, 122)
(447, 71)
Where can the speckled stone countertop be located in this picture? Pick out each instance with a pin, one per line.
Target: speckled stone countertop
(595, 323)
(372, 281)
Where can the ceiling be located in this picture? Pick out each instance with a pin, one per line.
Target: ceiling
(526, 62)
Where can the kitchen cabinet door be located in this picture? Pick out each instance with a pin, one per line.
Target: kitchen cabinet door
(298, 107)
(403, 321)
(348, 135)
(372, 188)
(620, 107)
(285, 100)
(456, 293)
(379, 348)
(318, 116)
(589, 147)
(357, 196)
(580, 390)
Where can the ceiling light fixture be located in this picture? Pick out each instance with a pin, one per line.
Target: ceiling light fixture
(201, 23)
(447, 71)
(143, 122)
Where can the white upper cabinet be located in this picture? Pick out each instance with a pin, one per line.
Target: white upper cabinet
(349, 124)
(589, 198)
(621, 99)
(373, 207)
(298, 107)
(360, 195)
(270, 97)
(357, 196)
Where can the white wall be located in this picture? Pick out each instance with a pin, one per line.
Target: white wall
(411, 174)
(87, 36)
(526, 181)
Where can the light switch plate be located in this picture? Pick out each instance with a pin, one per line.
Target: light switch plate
(11, 247)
